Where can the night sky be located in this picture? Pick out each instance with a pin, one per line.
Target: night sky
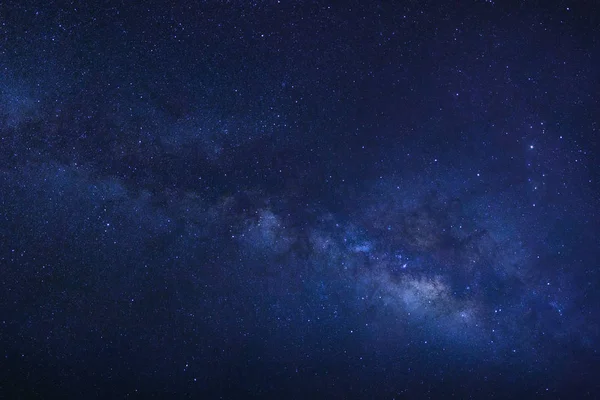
(286, 199)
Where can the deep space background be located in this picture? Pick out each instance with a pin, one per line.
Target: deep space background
(299, 199)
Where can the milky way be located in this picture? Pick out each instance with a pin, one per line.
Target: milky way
(299, 200)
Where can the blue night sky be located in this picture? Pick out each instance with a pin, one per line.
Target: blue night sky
(299, 200)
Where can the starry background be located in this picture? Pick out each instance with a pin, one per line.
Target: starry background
(299, 199)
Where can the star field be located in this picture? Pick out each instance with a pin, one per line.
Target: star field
(286, 199)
